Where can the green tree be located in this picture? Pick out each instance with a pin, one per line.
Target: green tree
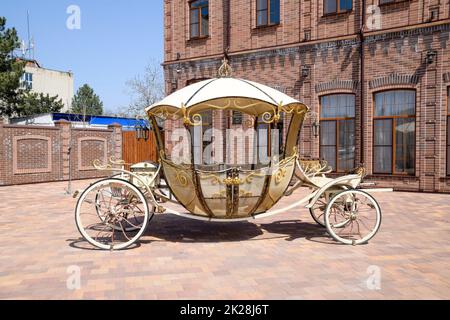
(35, 103)
(11, 70)
(86, 101)
(16, 100)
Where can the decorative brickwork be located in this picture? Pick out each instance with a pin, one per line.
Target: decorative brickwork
(89, 149)
(337, 85)
(30, 154)
(394, 79)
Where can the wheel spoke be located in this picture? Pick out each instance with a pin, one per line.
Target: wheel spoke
(123, 231)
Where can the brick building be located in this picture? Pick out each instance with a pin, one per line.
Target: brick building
(377, 72)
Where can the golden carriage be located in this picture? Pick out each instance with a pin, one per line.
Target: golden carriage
(113, 213)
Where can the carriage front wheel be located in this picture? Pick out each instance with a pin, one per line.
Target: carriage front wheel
(112, 214)
(352, 217)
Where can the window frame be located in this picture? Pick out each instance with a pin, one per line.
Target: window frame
(269, 23)
(338, 9)
(27, 80)
(389, 2)
(393, 119)
(336, 121)
(199, 23)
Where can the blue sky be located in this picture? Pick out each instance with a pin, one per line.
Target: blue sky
(116, 41)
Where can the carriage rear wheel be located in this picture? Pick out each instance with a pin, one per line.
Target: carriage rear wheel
(352, 217)
(112, 214)
(317, 211)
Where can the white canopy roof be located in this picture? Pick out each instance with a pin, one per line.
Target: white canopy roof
(219, 88)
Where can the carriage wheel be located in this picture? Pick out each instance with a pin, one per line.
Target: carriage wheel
(317, 211)
(352, 217)
(112, 214)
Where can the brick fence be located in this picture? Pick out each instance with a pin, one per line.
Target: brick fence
(30, 154)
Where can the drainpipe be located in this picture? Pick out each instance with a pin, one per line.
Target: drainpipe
(361, 78)
(227, 4)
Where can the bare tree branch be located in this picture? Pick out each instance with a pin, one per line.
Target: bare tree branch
(145, 89)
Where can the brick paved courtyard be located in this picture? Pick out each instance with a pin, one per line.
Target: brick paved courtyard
(278, 257)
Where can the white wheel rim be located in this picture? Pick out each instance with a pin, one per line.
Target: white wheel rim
(318, 210)
(88, 237)
(354, 212)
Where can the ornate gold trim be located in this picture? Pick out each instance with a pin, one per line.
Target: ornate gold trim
(231, 104)
(225, 69)
(279, 175)
(181, 178)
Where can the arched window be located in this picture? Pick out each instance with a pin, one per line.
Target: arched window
(394, 131)
(337, 131)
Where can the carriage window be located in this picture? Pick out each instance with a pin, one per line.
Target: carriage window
(269, 139)
(394, 132)
(448, 131)
(337, 6)
(337, 131)
(267, 12)
(200, 136)
(199, 18)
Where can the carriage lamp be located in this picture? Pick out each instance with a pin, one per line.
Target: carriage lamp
(142, 131)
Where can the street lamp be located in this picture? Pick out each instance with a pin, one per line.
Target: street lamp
(316, 128)
(315, 122)
(142, 130)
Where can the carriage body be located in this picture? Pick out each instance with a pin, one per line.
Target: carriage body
(227, 191)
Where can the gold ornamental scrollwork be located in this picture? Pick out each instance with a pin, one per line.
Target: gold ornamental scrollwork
(214, 178)
(232, 181)
(181, 178)
(279, 175)
(225, 70)
(195, 119)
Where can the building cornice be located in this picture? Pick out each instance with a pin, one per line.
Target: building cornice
(350, 41)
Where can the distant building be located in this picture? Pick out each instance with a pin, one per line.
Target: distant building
(47, 81)
(79, 121)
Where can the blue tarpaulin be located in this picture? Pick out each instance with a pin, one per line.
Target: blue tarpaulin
(126, 123)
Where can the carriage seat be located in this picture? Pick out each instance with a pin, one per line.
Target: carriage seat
(312, 172)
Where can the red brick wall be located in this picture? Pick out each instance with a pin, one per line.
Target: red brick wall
(296, 19)
(30, 154)
(394, 58)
